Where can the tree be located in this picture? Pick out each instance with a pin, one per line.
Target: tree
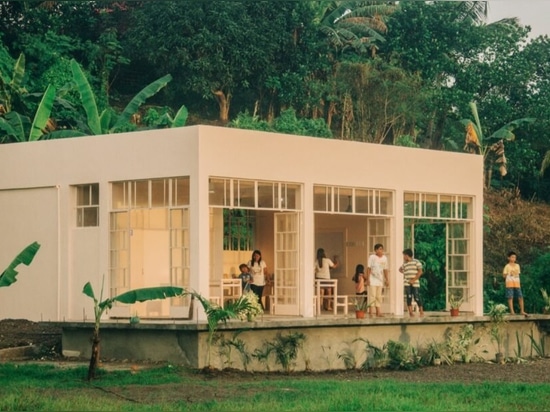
(355, 26)
(26, 256)
(492, 147)
(109, 121)
(130, 297)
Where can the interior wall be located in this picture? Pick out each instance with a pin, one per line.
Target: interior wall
(355, 246)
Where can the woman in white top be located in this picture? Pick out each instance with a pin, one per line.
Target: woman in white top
(258, 270)
(322, 271)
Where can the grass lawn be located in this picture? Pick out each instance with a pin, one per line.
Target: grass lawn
(46, 387)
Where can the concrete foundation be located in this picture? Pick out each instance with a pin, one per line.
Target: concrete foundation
(327, 337)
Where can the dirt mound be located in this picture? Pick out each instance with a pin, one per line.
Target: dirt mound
(45, 336)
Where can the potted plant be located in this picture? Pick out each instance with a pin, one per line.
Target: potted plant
(361, 304)
(496, 313)
(455, 302)
(434, 354)
(546, 307)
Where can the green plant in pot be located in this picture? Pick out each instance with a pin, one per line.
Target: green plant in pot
(455, 302)
(361, 304)
(434, 354)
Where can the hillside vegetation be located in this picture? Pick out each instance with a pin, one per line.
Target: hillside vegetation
(511, 223)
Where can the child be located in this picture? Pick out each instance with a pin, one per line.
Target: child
(359, 279)
(245, 276)
(513, 289)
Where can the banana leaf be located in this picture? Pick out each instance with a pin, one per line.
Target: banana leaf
(87, 97)
(505, 132)
(181, 117)
(42, 114)
(15, 124)
(18, 72)
(142, 295)
(140, 98)
(25, 257)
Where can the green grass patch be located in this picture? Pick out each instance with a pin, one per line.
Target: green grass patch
(48, 388)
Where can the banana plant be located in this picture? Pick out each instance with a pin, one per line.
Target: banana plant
(109, 121)
(18, 128)
(129, 297)
(491, 147)
(12, 89)
(25, 257)
(179, 119)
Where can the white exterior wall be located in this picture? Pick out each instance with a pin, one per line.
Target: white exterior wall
(36, 203)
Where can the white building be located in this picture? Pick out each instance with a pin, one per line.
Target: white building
(154, 207)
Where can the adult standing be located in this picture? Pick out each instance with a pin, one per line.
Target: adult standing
(377, 277)
(322, 271)
(412, 270)
(258, 270)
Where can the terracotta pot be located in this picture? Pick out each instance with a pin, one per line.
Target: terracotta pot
(360, 314)
(454, 312)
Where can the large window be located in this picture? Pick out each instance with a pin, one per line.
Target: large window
(348, 200)
(437, 206)
(150, 234)
(254, 194)
(87, 205)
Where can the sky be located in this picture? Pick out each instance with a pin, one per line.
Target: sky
(534, 13)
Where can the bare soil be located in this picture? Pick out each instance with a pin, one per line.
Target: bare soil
(47, 338)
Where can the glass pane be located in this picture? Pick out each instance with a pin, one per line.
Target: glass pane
(268, 195)
(361, 201)
(218, 192)
(141, 194)
(159, 193)
(119, 195)
(430, 205)
(460, 247)
(457, 231)
(291, 197)
(181, 191)
(119, 220)
(386, 203)
(344, 200)
(456, 263)
(244, 193)
(82, 196)
(321, 198)
(94, 192)
(445, 203)
(176, 218)
(91, 216)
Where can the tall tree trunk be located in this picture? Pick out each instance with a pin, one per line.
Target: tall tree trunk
(224, 102)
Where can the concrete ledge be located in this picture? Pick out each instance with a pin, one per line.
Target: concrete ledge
(18, 353)
(185, 342)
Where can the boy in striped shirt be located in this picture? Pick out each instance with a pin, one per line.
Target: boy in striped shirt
(412, 270)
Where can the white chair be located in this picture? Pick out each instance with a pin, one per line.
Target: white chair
(321, 284)
(231, 290)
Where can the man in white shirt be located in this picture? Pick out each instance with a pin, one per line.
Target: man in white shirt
(377, 277)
